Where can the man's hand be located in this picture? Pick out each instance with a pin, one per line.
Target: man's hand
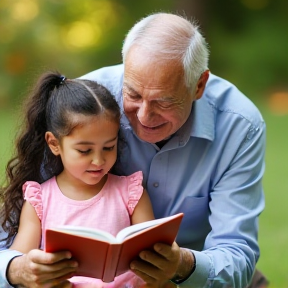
(162, 264)
(39, 269)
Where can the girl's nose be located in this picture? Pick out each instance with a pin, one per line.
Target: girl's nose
(98, 160)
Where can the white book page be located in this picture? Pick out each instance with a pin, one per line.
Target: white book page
(87, 232)
(133, 229)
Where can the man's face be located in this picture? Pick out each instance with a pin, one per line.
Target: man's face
(156, 100)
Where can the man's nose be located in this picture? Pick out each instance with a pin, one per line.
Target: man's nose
(144, 111)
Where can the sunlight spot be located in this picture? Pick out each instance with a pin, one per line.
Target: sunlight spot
(24, 10)
(82, 34)
(278, 103)
(15, 63)
(255, 4)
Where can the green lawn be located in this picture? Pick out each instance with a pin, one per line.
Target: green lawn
(273, 237)
(8, 121)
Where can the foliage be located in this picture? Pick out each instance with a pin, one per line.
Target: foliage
(248, 41)
(71, 36)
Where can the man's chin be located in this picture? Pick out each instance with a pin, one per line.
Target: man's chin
(150, 138)
(150, 135)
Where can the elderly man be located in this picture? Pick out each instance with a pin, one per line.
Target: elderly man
(200, 144)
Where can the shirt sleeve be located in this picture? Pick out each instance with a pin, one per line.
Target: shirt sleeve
(33, 194)
(231, 251)
(6, 256)
(135, 190)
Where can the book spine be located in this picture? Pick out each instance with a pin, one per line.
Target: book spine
(111, 262)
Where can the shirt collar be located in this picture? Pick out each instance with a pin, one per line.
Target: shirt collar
(203, 123)
(200, 123)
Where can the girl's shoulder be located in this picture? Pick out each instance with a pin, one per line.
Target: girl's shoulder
(126, 183)
(129, 188)
(135, 177)
(33, 193)
(33, 189)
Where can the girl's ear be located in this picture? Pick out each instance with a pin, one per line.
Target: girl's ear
(53, 143)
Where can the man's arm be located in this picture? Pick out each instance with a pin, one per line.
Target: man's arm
(36, 268)
(231, 250)
(6, 257)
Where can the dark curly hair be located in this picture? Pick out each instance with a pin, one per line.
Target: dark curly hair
(48, 108)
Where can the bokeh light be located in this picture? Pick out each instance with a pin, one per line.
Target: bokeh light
(82, 34)
(15, 62)
(24, 10)
(278, 102)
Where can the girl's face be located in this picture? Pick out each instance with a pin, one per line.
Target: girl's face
(89, 151)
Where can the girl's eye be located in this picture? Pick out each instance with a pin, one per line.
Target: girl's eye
(109, 148)
(84, 151)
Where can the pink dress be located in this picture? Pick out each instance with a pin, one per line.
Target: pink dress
(109, 210)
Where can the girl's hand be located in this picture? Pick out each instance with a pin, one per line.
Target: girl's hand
(40, 269)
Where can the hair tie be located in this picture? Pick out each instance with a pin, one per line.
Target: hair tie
(62, 79)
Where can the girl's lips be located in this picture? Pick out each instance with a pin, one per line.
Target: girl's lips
(95, 172)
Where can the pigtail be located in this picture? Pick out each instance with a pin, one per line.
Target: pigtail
(30, 151)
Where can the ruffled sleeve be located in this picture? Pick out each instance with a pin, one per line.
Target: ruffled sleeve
(33, 194)
(135, 190)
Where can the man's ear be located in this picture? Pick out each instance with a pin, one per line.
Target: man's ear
(201, 84)
(53, 143)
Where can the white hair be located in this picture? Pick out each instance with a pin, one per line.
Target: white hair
(169, 36)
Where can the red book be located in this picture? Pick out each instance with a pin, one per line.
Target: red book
(103, 256)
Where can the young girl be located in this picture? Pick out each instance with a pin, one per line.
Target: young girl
(60, 174)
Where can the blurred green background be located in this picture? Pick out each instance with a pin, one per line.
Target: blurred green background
(248, 41)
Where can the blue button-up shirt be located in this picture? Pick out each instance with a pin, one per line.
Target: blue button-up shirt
(211, 169)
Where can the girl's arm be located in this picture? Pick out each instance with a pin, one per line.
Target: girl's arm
(29, 233)
(36, 268)
(143, 211)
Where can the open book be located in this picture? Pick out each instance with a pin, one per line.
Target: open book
(101, 255)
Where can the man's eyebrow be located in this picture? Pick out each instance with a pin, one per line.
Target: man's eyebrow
(126, 86)
(167, 98)
(162, 99)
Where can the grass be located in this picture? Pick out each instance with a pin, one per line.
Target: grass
(273, 235)
(8, 121)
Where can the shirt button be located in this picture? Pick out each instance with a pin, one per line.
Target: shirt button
(156, 184)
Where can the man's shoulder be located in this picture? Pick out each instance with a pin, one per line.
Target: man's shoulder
(105, 72)
(111, 77)
(225, 97)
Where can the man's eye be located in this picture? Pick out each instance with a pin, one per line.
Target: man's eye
(164, 104)
(109, 148)
(84, 151)
(131, 97)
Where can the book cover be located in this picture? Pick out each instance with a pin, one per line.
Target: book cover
(103, 256)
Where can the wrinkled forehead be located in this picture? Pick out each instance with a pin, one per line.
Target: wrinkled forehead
(143, 71)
